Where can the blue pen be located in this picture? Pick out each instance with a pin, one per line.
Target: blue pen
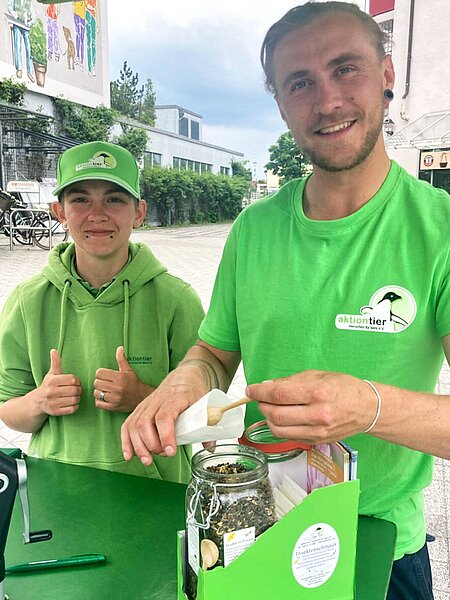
(53, 563)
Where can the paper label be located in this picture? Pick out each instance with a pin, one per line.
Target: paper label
(235, 542)
(315, 555)
(193, 547)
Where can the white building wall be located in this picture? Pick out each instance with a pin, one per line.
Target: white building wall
(429, 83)
(171, 145)
(64, 74)
(429, 79)
(168, 118)
(408, 158)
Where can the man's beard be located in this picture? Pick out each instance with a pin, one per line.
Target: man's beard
(317, 159)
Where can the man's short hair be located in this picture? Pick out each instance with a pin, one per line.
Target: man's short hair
(300, 16)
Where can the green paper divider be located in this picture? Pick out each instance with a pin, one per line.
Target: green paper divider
(265, 571)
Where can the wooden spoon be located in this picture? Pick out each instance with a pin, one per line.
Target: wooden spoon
(215, 413)
(209, 553)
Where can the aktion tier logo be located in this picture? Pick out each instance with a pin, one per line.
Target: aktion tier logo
(102, 160)
(391, 310)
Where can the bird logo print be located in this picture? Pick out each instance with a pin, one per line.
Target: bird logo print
(105, 159)
(391, 310)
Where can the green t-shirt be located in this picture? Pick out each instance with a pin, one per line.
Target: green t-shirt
(367, 295)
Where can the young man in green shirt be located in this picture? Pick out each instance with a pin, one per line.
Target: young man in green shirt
(334, 283)
(88, 338)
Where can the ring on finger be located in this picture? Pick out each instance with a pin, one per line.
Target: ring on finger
(102, 397)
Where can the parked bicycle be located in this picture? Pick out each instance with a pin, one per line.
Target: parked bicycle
(38, 226)
(7, 203)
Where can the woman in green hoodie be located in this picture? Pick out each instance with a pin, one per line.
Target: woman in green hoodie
(88, 338)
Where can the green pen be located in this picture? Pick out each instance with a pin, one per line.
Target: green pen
(71, 561)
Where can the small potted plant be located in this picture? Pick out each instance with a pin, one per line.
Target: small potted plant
(38, 45)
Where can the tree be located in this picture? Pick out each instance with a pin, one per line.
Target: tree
(133, 101)
(286, 159)
(126, 96)
(12, 93)
(147, 112)
(83, 123)
(239, 169)
(133, 139)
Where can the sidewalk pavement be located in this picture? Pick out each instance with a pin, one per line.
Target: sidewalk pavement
(193, 253)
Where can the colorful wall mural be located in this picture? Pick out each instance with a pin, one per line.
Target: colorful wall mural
(57, 49)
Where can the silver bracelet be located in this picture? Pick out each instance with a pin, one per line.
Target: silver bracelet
(377, 416)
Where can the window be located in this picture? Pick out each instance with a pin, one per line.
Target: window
(224, 170)
(387, 27)
(195, 130)
(191, 165)
(152, 159)
(183, 127)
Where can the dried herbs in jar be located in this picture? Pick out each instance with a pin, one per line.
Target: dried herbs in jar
(229, 502)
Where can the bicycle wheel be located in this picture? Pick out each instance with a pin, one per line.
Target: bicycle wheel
(4, 223)
(22, 218)
(41, 237)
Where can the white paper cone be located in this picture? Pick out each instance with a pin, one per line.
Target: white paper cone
(191, 426)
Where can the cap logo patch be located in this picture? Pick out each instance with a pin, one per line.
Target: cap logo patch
(102, 160)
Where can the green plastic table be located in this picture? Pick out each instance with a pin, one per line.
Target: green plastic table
(133, 521)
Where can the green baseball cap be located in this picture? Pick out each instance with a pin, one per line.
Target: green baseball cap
(98, 160)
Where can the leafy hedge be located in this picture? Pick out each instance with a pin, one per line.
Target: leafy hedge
(188, 197)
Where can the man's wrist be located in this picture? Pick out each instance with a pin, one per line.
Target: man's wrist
(210, 375)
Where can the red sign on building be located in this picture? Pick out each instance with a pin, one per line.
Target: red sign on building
(377, 7)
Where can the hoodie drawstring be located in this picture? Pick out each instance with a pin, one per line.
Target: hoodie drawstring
(126, 314)
(62, 322)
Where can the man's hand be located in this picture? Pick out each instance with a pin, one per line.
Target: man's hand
(151, 427)
(315, 406)
(58, 394)
(121, 390)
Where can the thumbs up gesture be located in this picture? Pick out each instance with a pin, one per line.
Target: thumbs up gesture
(121, 390)
(59, 393)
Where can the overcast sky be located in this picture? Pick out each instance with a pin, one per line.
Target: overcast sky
(204, 56)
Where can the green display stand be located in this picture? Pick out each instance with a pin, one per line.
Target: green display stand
(268, 569)
(133, 521)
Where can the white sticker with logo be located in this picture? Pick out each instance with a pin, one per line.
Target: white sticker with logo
(391, 310)
(193, 540)
(315, 555)
(102, 160)
(235, 542)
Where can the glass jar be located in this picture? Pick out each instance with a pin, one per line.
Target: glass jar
(229, 501)
(283, 456)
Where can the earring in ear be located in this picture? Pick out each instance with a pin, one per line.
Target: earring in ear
(388, 94)
(65, 226)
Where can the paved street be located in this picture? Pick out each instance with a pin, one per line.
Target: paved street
(193, 254)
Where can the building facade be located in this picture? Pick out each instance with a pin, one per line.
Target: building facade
(56, 49)
(176, 142)
(418, 123)
(61, 50)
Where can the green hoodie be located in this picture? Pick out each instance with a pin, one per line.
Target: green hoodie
(153, 314)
